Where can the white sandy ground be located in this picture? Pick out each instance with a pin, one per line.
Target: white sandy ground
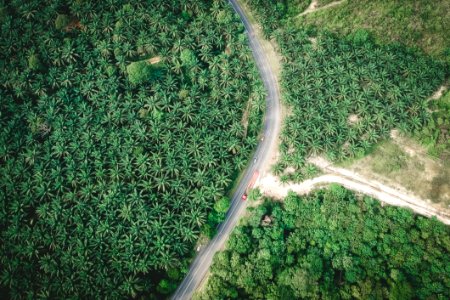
(314, 7)
(271, 186)
(438, 94)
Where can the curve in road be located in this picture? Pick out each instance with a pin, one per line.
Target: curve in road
(271, 129)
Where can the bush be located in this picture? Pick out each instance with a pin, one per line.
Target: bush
(61, 21)
(188, 58)
(360, 37)
(34, 63)
(222, 205)
(139, 72)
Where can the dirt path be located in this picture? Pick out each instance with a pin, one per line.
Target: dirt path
(271, 186)
(381, 191)
(313, 7)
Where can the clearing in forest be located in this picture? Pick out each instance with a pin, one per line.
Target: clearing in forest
(402, 163)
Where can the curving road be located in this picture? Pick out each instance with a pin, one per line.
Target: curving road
(203, 260)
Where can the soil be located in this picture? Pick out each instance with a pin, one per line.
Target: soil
(313, 41)
(352, 119)
(314, 6)
(154, 60)
(74, 24)
(438, 94)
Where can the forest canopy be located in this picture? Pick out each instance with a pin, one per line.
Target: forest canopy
(108, 173)
(332, 244)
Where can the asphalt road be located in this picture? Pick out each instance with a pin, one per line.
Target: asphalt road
(203, 260)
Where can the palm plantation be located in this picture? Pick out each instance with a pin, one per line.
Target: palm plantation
(336, 80)
(110, 165)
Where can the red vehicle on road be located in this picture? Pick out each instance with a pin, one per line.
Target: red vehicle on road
(250, 185)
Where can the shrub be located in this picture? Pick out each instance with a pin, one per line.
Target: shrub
(61, 21)
(34, 63)
(139, 72)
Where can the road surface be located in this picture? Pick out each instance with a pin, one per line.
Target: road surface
(203, 260)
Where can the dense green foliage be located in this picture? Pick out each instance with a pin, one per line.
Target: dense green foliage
(332, 245)
(271, 13)
(216, 216)
(106, 178)
(142, 71)
(348, 94)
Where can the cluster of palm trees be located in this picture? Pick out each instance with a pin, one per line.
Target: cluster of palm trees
(346, 95)
(105, 185)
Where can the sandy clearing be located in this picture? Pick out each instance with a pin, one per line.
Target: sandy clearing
(410, 148)
(353, 119)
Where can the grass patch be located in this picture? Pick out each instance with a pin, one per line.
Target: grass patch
(388, 158)
(404, 163)
(440, 185)
(420, 23)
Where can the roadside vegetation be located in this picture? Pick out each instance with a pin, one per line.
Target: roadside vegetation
(120, 131)
(332, 244)
(271, 13)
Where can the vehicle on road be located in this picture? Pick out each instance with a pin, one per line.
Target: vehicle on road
(250, 185)
(203, 260)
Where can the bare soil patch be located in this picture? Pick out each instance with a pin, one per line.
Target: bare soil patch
(314, 6)
(439, 93)
(154, 60)
(353, 119)
(74, 24)
(313, 41)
